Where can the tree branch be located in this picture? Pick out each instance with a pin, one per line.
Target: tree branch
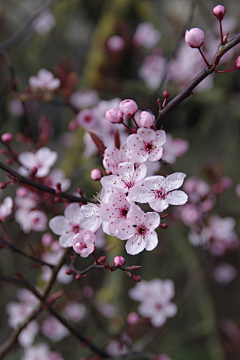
(185, 93)
(23, 180)
(21, 32)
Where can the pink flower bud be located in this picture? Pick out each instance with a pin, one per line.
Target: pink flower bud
(69, 272)
(166, 94)
(146, 119)
(7, 137)
(226, 182)
(128, 107)
(106, 266)
(47, 239)
(78, 277)
(163, 226)
(73, 125)
(237, 63)
(136, 278)
(132, 318)
(119, 261)
(115, 116)
(116, 43)
(134, 130)
(96, 174)
(3, 185)
(34, 170)
(194, 37)
(21, 192)
(102, 259)
(219, 11)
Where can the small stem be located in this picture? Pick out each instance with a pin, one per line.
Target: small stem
(95, 257)
(204, 57)
(5, 233)
(126, 127)
(221, 33)
(225, 71)
(135, 121)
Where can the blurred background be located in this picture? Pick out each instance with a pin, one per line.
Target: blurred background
(98, 51)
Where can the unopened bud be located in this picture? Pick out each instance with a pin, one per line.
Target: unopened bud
(78, 277)
(96, 174)
(102, 259)
(73, 125)
(128, 107)
(166, 94)
(80, 192)
(146, 119)
(69, 271)
(9, 161)
(7, 137)
(57, 199)
(34, 170)
(219, 12)
(163, 226)
(237, 63)
(194, 37)
(106, 265)
(134, 130)
(136, 278)
(119, 261)
(3, 185)
(115, 116)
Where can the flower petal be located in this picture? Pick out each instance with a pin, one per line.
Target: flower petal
(177, 197)
(174, 181)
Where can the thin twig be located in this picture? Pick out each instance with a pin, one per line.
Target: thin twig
(21, 32)
(23, 180)
(17, 250)
(185, 93)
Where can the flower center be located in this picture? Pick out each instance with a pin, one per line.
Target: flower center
(141, 230)
(75, 229)
(160, 193)
(124, 212)
(149, 147)
(81, 245)
(158, 306)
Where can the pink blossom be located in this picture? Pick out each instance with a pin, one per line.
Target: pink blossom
(147, 119)
(237, 63)
(157, 191)
(53, 329)
(35, 220)
(57, 176)
(191, 214)
(224, 273)
(219, 11)
(27, 335)
(115, 348)
(194, 37)
(84, 99)
(127, 179)
(47, 239)
(174, 148)
(70, 224)
(155, 297)
(44, 23)
(152, 70)
(115, 211)
(196, 188)
(43, 159)
(15, 107)
(87, 119)
(106, 309)
(114, 156)
(146, 35)
(44, 81)
(116, 43)
(17, 312)
(83, 243)
(139, 230)
(146, 144)
(128, 107)
(74, 311)
(41, 352)
(237, 190)
(6, 208)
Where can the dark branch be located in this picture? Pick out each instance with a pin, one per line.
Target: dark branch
(16, 249)
(23, 180)
(21, 32)
(185, 93)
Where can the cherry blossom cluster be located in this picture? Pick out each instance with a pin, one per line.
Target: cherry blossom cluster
(155, 297)
(125, 185)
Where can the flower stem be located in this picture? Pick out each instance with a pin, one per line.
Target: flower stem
(204, 57)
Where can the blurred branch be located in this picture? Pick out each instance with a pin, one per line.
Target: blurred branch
(21, 32)
(5, 347)
(6, 244)
(46, 306)
(23, 180)
(185, 93)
